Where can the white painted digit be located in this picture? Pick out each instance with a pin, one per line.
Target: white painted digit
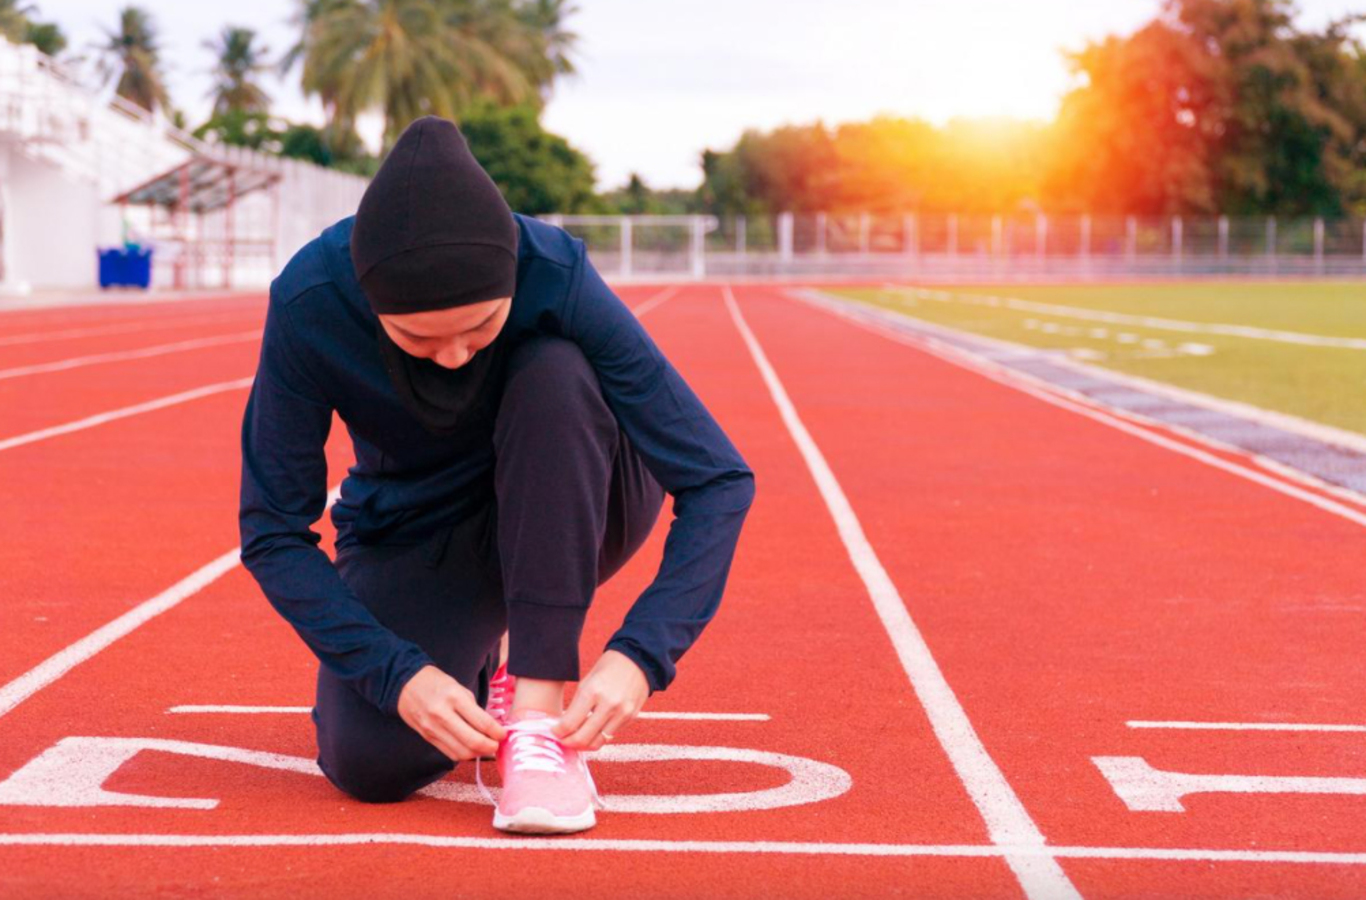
(72, 772)
(1146, 789)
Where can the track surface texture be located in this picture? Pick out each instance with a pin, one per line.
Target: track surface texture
(977, 641)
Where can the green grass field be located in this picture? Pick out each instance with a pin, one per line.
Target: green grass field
(1326, 384)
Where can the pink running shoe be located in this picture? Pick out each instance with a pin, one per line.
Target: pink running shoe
(546, 785)
(501, 689)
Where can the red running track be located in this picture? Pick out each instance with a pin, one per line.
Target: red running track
(1067, 577)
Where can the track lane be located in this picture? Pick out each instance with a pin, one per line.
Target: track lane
(1071, 578)
(135, 308)
(107, 517)
(796, 638)
(46, 399)
(140, 335)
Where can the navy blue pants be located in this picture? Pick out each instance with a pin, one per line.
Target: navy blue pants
(573, 502)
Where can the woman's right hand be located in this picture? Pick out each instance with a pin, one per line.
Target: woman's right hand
(448, 716)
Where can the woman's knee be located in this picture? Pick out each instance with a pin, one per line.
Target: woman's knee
(552, 384)
(371, 756)
(374, 771)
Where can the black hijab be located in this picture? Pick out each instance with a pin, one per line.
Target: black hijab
(432, 232)
(448, 401)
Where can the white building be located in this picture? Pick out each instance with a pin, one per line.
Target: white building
(68, 151)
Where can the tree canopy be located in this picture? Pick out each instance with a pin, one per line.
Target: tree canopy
(1214, 106)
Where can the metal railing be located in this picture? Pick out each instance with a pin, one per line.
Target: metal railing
(963, 246)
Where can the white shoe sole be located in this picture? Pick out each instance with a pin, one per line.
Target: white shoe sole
(535, 820)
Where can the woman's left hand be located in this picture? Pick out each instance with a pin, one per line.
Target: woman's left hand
(607, 699)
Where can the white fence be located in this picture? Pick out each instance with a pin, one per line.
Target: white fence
(961, 247)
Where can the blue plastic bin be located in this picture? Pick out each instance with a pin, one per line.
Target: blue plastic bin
(129, 266)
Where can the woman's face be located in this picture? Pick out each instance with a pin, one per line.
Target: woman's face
(449, 337)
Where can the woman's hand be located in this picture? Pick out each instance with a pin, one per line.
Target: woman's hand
(448, 716)
(607, 699)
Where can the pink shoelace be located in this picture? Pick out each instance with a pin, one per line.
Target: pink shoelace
(534, 747)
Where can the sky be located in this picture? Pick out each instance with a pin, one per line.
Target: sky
(661, 80)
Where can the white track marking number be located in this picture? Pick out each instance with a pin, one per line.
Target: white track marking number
(72, 773)
(1147, 789)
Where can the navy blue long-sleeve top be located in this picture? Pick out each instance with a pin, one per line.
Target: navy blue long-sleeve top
(319, 354)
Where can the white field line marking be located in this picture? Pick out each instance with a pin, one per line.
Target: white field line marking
(451, 842)
(165, 322)
(1316, 430)
(1043, 391)
(123, 413)
(1006, 819)
(120, 355)
(680, 716)
(1326, 434)
(1097, 315)
(48, 671)
(57, 665)
(1246, 726)
(646, 305)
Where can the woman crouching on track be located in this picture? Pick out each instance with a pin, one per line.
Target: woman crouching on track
(515, 430)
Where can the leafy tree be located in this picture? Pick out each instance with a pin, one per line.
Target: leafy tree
(409, 58)
(18, 27)
(339, 134)
(1216, 105)
(242, 128)
(240, 60)
(1293, 129)
(46, 36)
(538, 172)
(307, 143)
(132, 51)
(14, 20)
(541, 45)
(638, 198)
(1140, 133)
(268, 134)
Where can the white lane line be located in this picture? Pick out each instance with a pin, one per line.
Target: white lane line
(123, 413)
(1313, 430)
(452, 842)
(149, 406)
(57, 665)
(1091, 409)
(706, 716)
(1006, 819)
(209, 708)
(75, 362)
(1316, 430)
(646, 305)
(54, 667)
(1246, 726)
(1114, 318)
(680, 716)
(164, 322)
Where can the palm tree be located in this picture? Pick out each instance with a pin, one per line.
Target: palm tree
(240, 59)
(132, 51)
(409, 58)
(545, 19)
(14, 20)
